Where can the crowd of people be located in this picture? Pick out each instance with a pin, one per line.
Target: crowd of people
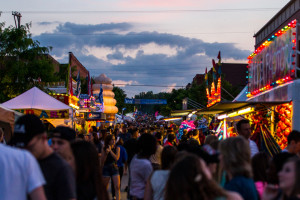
(63, 164)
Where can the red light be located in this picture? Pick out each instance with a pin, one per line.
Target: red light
(276, 34)
(293, 63)
(289, 24)
(293, 55)
(294, 33)
(294, 48)
(294, 41)
(293, 71)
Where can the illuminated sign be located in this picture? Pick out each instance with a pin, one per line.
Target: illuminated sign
(274, 62)
(47, 114)
(214, 96)
(145, 101)
(95, 116)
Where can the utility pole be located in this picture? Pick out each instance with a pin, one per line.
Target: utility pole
(17, 18)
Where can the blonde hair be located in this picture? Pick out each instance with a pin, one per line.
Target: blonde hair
(236, 156)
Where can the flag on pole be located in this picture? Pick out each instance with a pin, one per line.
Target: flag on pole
(78, 89)
(219, 57)
(69, 81)
(101, 106)
(91, 87)
(206, 76)
(88, 81)
(219, 63)
(214, 69)
(101, 95)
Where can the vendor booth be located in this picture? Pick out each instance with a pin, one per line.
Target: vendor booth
(35, 101)
(7, 121)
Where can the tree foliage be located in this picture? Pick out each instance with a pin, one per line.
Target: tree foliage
(120, 98)
(195, 92)
(23, 62)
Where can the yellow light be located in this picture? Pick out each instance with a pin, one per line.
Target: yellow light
(222, 117)
(172, 119)
(241, 112)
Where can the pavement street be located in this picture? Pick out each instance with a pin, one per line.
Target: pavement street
(124, 183)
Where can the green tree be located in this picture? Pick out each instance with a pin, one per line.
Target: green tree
(23, 62)
(120, 98)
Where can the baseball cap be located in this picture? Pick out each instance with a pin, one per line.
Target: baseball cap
(26, 127)
(64, 132)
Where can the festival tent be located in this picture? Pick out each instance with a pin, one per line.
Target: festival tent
(7, 120)
(35, 101)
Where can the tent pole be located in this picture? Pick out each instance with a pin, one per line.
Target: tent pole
(72, 119)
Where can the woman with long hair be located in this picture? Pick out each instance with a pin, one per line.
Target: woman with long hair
(235, 158)
(289, 182)
(260, 165)
(190, 179)
(89, 180)
(109, 157)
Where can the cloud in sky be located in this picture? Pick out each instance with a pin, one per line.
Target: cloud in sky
(137, 57)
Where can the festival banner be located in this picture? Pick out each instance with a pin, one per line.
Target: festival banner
(47, 114)
(274, 62)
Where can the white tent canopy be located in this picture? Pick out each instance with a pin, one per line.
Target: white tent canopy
(35, 99)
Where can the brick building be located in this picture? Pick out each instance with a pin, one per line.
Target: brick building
(234, 73)
(288, 13)
(79, 67)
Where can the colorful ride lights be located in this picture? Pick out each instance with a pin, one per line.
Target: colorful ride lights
(268, 87)
(292, 24)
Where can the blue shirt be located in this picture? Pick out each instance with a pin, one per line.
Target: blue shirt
(244, 186)
(123, 156)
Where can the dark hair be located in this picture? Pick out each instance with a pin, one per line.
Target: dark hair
(120, 142)
(171, 137)
(277, 163)
(147, 145)
(107, 139)
(158, 135)
(239, 124)
(188, 181)
(104, 134)
(88, 170)
(96, 138)
(296, 188)
(168, 156)
(80, 135)
(94, 128)
(195, 132)
(294, 135)
(260, 164)
(210, 139)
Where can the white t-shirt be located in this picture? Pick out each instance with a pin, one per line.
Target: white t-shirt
(20, 173)
(140, 170)
(253, 148)
(158, 183)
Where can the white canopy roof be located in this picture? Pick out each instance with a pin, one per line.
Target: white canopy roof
(35, 99)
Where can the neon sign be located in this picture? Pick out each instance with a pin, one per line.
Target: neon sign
(274, 62)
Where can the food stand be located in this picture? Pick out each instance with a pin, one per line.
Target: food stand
(273, 97)
(35, 101)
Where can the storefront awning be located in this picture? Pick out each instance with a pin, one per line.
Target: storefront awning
(225, 107)
(180, 113)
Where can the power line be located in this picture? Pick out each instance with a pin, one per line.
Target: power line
(134, 34)
(147, 11)
(150, 85)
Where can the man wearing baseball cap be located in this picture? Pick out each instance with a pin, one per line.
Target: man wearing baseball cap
(62, 137)
(30, 133)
